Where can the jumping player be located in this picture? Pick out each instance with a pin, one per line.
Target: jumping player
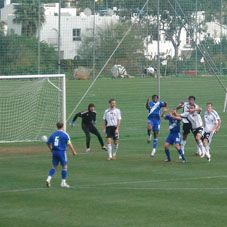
(193, 116)
(112, 119)
(174, 137)
(88, 125)
(153, 120)
(186, 124)
(57, 144)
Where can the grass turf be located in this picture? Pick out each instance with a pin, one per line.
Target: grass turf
(133, 190)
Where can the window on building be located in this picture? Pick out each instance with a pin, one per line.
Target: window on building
(76, 34)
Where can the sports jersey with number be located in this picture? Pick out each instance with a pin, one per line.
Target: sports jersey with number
(154, 109)
(59, 141)
(186, 107)
(112, 116)
(194, 118)
(210, 120)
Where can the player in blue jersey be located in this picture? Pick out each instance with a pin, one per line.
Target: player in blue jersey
(58, 143)
(153, 120)
(174, 137)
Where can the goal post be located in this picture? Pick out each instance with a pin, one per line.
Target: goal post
(225, 103)
(30, 106)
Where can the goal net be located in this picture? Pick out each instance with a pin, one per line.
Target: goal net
(30, 106)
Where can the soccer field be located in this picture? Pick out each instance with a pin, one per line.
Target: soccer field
(133, 190)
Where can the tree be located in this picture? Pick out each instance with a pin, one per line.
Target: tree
(128, 54)
(19, 55)
(2, 28)
(27, 14)
(1, 4)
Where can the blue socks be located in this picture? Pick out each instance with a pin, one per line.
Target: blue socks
(52, 172)
(181, 154)
(179, 151)
(168, 154)
(64, 174)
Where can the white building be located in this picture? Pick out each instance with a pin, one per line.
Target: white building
(7, 15)
(213, 29)
(73, 26)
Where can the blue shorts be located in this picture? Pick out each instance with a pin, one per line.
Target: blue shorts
(155, 124)
(173, 138)
(59, 157)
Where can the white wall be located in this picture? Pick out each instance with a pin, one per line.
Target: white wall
(7, 15)
(49, 31)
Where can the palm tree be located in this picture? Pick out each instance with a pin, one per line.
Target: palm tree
(2, 27)
(30, 15)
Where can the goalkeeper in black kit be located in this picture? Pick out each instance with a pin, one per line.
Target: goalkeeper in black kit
(88, 125)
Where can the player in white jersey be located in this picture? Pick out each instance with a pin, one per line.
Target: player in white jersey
(112, 119)
(186, 124)
(212, 123)
(217, 116)
(193, 116)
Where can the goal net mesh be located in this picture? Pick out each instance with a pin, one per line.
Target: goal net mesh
(30, 107)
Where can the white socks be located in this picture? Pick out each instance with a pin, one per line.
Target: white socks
(207, 148)
(49, 178)
(115, 149)
(199, 151)
(183, 143)
(112, 150)
(153, 152)
(109, 150)
(202, 148)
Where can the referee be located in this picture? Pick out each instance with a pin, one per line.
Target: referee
(88, 125)
(112, 119)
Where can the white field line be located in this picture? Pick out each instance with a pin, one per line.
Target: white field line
(131, 188)
(152, 181)
(47, 155)
(168, 189)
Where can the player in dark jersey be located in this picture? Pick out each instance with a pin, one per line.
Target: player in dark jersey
(88, 125)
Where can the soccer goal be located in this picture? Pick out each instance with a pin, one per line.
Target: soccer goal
(30, 106)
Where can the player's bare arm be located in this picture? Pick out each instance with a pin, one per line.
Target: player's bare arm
(147, 103)
(50, 147)
(176, 117)
(197, 109)
(118, 125)
(218, 126)
(164, 112)
(104, 126)
(72, 149)
(180, 105)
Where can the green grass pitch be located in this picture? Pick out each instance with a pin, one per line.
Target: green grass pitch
(133, 190)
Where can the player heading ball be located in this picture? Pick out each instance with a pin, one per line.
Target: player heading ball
(154, 119)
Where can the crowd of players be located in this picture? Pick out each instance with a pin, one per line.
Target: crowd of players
(203, 131)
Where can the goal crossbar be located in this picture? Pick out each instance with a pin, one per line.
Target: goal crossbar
(31, 105)
(32, 76)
